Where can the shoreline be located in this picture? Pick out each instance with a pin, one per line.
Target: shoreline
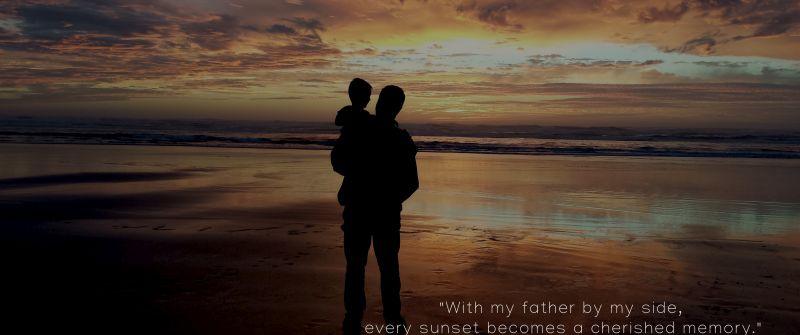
(510, 153)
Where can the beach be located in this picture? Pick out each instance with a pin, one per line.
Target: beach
(208, 240)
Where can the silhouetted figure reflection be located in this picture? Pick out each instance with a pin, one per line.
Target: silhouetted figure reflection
(378, 161)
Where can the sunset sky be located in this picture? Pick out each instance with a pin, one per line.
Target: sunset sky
(691, 63)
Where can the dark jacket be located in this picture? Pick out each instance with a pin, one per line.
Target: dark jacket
(378, 161)
(350, 116)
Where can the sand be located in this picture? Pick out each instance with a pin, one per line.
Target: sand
(138, 239)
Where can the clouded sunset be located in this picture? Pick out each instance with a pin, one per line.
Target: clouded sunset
(581, 63)
(307, 167)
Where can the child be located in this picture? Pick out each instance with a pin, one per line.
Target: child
(354, 121)
(355, 115)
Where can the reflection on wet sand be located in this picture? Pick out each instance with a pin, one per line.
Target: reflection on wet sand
(205, 240)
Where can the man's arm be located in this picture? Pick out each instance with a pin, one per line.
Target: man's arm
(410, 180)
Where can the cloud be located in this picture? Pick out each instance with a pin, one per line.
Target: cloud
(563, 17)
(770, 25)
(213, 33)
(655, 76)
(447, 52)
(781, 75)
(68, 26)
(664, 14)
(495, 14)
(762, 18)
(731, 21)
(312, 26)
(281, 29)
(59, 21)
(722, 64)
(397, 52)
(702, 45)
(87, 93)
(564, 63)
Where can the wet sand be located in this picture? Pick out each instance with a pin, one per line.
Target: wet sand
(137, 239)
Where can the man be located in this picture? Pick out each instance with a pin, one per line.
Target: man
(380, 165)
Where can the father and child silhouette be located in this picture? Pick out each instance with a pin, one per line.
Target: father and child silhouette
(378, 161)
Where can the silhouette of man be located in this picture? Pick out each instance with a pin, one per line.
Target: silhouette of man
(379, 165)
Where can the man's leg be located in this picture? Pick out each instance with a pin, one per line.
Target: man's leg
(387, 246)
(356, 249)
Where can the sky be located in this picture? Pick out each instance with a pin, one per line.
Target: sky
(647, 63)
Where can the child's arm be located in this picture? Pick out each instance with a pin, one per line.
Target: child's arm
(343, 116)
(340, 153)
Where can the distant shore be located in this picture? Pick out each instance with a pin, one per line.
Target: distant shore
(508, 146)
(453, 138)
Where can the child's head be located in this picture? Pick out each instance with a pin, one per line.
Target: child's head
(390, 102)
(359, 92)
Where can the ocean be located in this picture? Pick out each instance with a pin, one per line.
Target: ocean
(528, 140)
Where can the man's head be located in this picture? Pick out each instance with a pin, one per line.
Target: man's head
(390, 102)
(359, 92)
